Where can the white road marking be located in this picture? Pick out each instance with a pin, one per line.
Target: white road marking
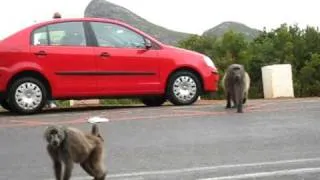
(197, 169)
(89, 178)
(267, 174)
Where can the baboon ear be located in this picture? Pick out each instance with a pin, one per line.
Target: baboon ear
(48, 131)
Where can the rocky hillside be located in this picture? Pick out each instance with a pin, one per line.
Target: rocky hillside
(105, 9)
(220, 29)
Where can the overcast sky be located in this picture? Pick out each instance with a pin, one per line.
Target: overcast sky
(193, 16)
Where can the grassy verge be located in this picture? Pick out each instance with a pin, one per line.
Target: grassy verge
(104, 102)
(120, 101)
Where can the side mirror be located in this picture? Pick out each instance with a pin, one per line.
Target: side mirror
(148, 43)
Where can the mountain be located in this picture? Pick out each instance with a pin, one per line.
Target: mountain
(105, 9)
(220, 29)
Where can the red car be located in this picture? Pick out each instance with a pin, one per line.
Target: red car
(85, 58)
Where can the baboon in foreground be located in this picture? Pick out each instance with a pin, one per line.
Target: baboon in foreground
(67, 145)
(236, 84)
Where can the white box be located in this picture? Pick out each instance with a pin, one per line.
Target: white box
(277, 81)
(84, 102)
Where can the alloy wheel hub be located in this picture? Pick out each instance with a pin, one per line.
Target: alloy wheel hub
(28, 96)
(184, 88)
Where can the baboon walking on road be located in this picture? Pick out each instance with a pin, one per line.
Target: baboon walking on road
(236, 84)
(70, 145)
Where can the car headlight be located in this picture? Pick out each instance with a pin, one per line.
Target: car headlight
(209, 62)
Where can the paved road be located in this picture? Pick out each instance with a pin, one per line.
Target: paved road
(273, 139)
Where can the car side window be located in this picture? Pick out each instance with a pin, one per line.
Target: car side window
(112, 35)
(67, 34)
(40, 37)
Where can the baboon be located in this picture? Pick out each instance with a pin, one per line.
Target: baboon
(67, 145)
(236, 84)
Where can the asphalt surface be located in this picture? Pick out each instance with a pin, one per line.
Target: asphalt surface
(272, 139)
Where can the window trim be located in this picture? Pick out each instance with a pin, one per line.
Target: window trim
(48, 36)
(90, 38)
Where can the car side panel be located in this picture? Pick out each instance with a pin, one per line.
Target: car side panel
(70, 70)
(12, 60)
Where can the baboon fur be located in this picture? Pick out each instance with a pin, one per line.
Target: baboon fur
(236, 84)
(67, 145)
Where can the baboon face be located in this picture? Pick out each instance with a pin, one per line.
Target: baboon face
(236, 74)
(55, 137)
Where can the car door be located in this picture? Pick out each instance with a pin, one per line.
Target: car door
(125, 65)
(61, 49)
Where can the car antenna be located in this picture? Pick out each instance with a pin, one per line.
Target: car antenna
(56, 15)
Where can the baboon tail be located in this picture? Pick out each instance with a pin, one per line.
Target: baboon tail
(95, 131)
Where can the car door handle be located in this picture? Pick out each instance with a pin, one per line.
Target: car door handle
(40, 53)
(104, 55)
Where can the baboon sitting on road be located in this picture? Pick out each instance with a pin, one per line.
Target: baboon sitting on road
(70, 145)
(236, 84)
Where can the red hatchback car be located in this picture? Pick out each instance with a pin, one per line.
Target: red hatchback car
(85, 58)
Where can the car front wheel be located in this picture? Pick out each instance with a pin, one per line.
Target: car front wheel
(27, 95)
(184, 88)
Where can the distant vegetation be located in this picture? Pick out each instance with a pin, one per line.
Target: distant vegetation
(285, 44)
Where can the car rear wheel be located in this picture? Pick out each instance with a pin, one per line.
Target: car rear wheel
(153, 101)
(27, 95)
(184, 88)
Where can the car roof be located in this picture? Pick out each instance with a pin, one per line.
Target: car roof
(80, 19)
(91, 19)
(34, 26)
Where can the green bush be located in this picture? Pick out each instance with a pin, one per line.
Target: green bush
(285, 44)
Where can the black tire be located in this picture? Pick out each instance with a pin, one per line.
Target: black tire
(12, 97)
(180, 75)
(5, 105)
(153, 101)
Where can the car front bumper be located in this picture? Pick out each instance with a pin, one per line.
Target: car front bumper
(211, 82)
